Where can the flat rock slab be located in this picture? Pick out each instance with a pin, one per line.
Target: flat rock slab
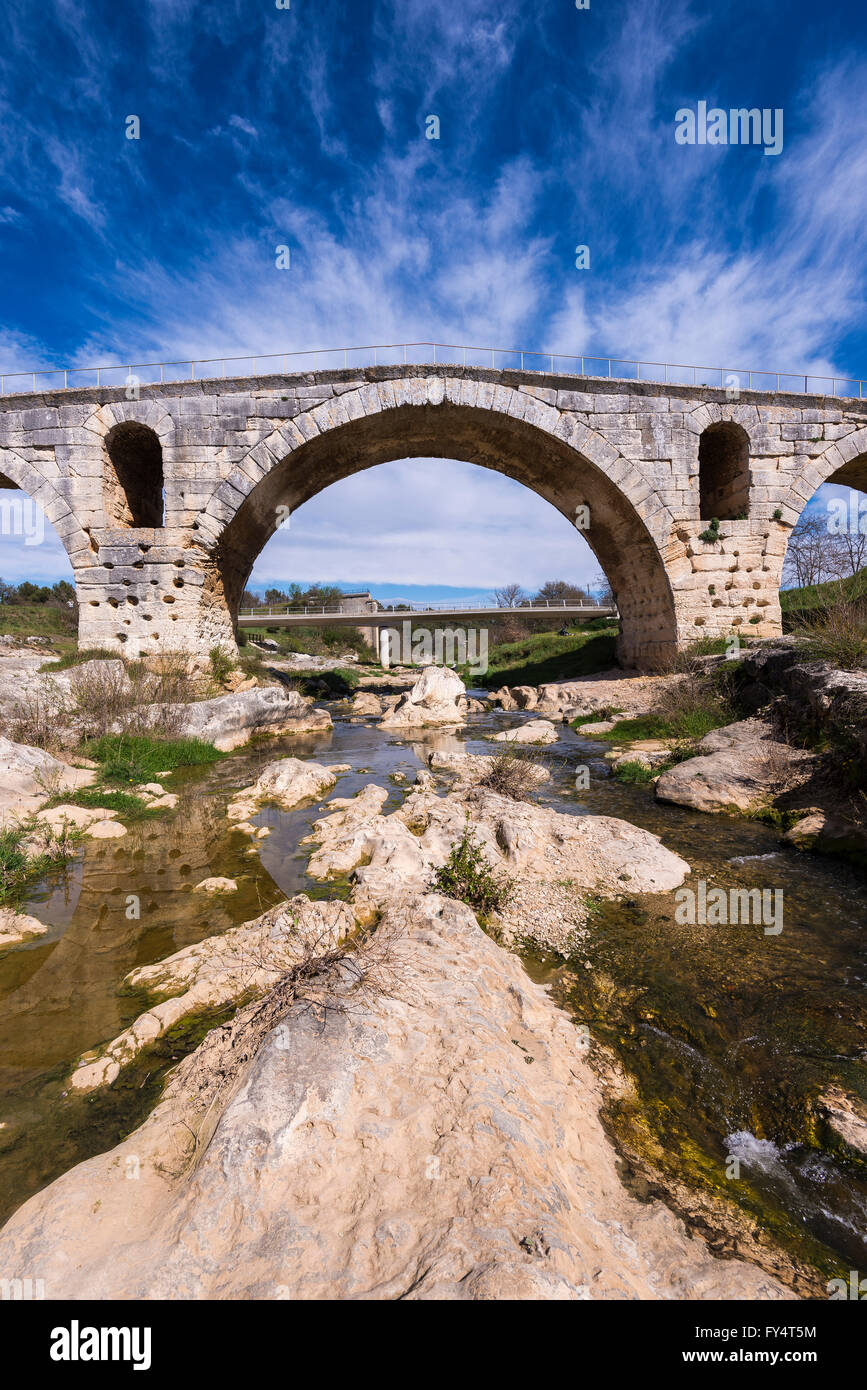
(406, 1149)
(229, 721)
(535, 731)
(740, 768)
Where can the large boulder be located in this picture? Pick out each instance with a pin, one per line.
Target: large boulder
(525, 696)
(398, 1148)
(231, 720)
(432, 700)
(740, 768)
(28, 776)
(827, 833)
(286, 782)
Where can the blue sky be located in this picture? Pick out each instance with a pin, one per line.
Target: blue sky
(306, 127)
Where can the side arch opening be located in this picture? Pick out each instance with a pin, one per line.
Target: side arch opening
(724, 472)
(134, 482)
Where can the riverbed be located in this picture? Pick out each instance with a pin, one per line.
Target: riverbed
(728, 1034)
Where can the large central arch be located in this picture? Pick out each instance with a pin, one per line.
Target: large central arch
(247, 509)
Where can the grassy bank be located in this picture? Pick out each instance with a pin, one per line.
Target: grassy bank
(546, 656)
(134, 758)
(40, 620)
(310, 641)
(795, 603)
(690, 724)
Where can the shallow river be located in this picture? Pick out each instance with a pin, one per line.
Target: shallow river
(728, 1033)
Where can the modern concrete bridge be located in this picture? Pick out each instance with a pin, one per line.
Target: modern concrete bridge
(164, 493)
(329, 615)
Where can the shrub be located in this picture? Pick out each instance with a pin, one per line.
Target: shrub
(712, 532)
(222, 664)
(467, 876)
(513, 772)
(133, 698)
(37, 719)
(835, 632)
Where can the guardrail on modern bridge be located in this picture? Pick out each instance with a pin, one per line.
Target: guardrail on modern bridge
(588, 605)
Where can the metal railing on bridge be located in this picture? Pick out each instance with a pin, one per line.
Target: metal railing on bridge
(426, 354)
(332, 609)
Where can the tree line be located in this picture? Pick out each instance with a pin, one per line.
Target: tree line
(59, 595)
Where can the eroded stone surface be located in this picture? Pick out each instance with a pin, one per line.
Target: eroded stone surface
(403, 1149)
(395, 854)
(286, 782)
(741, 767)
(241, 963)
(434, 699)
(28, 776)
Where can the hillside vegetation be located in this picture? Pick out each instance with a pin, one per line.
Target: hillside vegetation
(548, 656)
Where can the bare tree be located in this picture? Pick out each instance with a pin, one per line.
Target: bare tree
(510, 596)
(814, 554)
(560, 590)
(851, 547)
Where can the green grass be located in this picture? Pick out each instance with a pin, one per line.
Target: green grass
(133, 758)
(313, 641)
(635, 774)
(77, 656)
(37, 620)
(795, 602)
(22, 620)
(124, 804)
(546, 656)
(688, 724)
(19, 869)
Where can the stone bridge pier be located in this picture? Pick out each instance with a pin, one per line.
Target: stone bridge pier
(164, 502)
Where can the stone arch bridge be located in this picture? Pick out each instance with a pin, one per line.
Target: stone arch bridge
(163, 502)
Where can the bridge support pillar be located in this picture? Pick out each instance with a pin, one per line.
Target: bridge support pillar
(144, 592)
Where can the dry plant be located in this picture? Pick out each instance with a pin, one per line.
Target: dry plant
(346, 978)
(514, 773)
(109, 697)
(778, 775)
(835, 632)
(39, 717)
